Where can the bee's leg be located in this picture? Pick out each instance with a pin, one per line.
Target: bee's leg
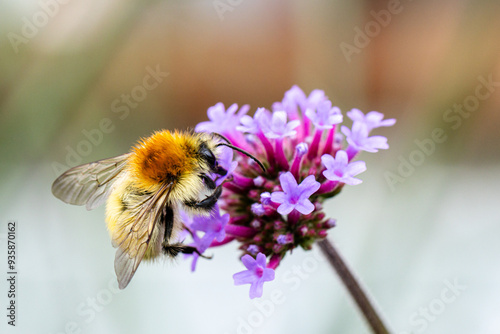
(220, 171)
(174, 249)
(208, 181)
(208, 203)
(167, 219)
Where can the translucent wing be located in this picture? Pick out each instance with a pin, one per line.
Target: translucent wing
(90, 183)
(135, 238)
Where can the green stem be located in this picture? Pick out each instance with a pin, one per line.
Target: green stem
(356, 291)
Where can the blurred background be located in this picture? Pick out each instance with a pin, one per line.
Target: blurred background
(83, 80)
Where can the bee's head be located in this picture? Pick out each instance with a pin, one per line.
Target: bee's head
(206, 153)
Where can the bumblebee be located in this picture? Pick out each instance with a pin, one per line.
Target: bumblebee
(144, 191)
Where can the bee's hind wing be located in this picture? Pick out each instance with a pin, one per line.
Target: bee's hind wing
(89, 184)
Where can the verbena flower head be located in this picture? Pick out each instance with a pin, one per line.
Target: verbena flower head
(307, 161)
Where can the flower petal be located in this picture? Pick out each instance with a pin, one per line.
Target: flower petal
(352, 181)
(291, 126)
(243, 110)
(305, 207)
(249, 262)
(268, 275)
(256, 289)
(330, 175)
(288, 183)
(232, 109)
(261, 260)
(355, 168)
(286, 208)
(278, 197)
(328, 161)
(194, 262)
(388, 122)
(216, 112)
(311, 115)
(377, 142)
(244, 277)
(308, 187)
(345, 130)
(356, 115)
(315, 97)
(341, 157)
(278, 121)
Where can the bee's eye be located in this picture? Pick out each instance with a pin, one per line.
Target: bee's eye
(208, 156)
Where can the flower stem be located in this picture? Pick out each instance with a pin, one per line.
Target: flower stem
(356, 291)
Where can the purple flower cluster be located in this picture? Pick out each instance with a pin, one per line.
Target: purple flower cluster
(271, 213)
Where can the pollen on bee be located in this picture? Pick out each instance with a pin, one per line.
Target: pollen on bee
(163, 157)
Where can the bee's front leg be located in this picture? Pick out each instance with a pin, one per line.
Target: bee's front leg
(206, 204)
(220, 171)
(208, 181)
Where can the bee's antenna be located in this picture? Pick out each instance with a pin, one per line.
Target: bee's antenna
(243, 152)
(221, 137)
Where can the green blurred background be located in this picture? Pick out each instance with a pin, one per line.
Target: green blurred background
(76, 86)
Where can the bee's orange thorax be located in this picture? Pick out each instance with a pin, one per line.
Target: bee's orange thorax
(163, 157)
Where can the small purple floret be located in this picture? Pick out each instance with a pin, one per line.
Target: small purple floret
(213, 226)
(259, 122)
(255, 275)
(253, 249)
(284, 239)
(280, 128)
(265, 198)
(259, 181)
(325, 117)
(294, 196)
(222, 120)
(372, 120)
(359, 140)
(226, 162)
(258, 209)
(341, 170)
